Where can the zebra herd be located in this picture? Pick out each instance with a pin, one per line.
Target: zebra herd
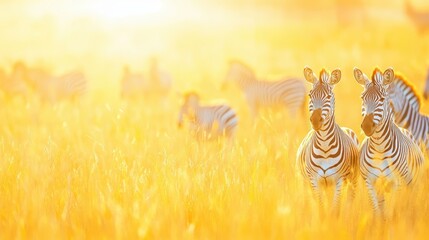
(391, 155)
(24, 80)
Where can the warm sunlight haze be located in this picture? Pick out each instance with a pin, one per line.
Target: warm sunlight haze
(188, 119)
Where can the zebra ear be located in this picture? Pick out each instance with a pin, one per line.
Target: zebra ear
(335, 77)
(309, 75)
(359, 76)
(388, 76)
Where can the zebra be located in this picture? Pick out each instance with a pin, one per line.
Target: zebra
(50, 88)
(328, 155)
(72, 85)
(133, 84)
(426, 89)
(388, 158)
(405, 104)
(160, 81)
(207, 122)
(155, 85)
(287, 92)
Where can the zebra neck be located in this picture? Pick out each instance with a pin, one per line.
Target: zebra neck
(193, 113)
(327, 130)
(404, 117)
(245, 81)
(383, 133)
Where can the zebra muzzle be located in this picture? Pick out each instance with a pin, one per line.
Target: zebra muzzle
(316, 119)
(368, 125)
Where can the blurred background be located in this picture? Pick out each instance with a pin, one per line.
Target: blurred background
(99, 37)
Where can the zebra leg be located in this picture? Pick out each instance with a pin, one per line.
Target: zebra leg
(374, 198)
(337, 196)
(254, 110)
(352, 189)
(318, 195)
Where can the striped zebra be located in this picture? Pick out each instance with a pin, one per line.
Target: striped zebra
(328, 155)
(406, 104)
(426, 89)
(54, 88)
(288, 92)
(207, 122)
(389, 158)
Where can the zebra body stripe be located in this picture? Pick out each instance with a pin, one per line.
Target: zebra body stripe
(288, 93)
(208, 122)
(406, 108)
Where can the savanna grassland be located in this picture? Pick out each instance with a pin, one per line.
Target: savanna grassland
(103, 167)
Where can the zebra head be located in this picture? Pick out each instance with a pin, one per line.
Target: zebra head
(239, 73)
(322, 100)
(375, 99)
(190, 104)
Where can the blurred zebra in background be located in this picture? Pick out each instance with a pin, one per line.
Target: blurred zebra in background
(13, 85)
(207, 122)
(133, 84)
(426, 89)
(160, 81)
(388, 156)
(156, 85)
(406, 104)
(328, 155)
(50, 88)
(288, 93)
(70, 86)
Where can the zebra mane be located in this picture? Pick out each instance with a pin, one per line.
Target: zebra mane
(400, 79)
(191, 94)
(241, 64)
(324, 76)
(377, 76)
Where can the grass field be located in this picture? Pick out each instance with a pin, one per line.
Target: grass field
(106, 168)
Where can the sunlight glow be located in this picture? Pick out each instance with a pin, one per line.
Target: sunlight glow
(117, 10)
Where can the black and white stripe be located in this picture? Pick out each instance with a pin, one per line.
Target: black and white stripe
(405, 104)
(72, 85)
(54, 88)
(388, 156)
(329, 154)
(288, 92)
(207, 122)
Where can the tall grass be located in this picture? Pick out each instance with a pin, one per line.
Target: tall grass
(110, 168)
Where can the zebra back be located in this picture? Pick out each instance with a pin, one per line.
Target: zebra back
(210, 121)
(74, 84)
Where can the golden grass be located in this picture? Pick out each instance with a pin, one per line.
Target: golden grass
(107, 168)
